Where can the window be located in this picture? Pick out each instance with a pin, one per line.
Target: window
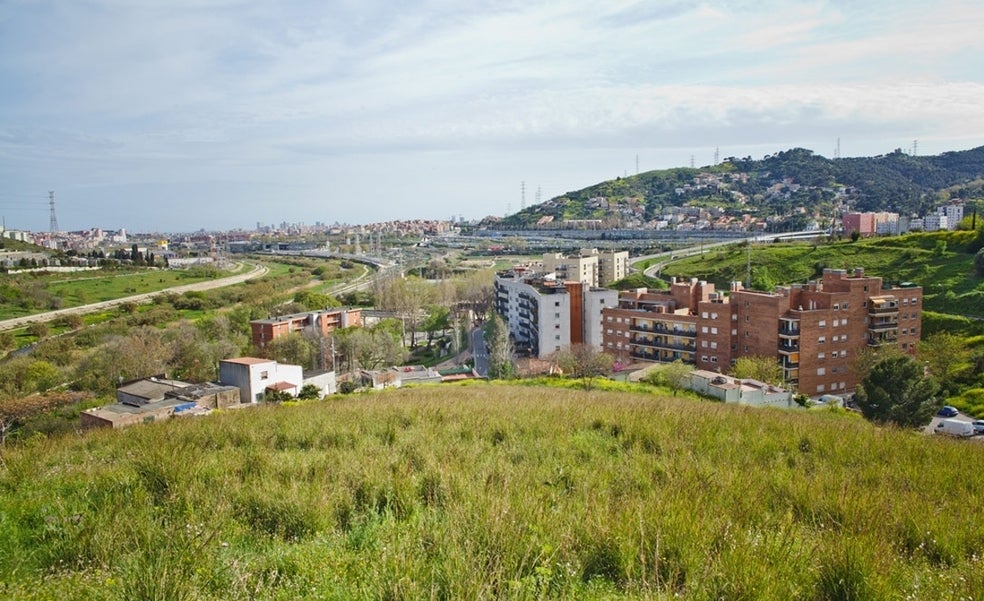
(703, 357)
(843, 354)
(836, 323)
(821, 371)
(844, 306)
(905, 302)
(557, 327)
(915, 300)
(714, 315)
(820, 388)
(557, 337)
(823, 323)
(844, 322)
(734, 317)
(821, 355)
(557, 315)
(821, 340)
(264, 375)
(714, 345)
(833, 339)
(844, 338)
(714, 330)
(836, 307)
(703, 329)
(904, 331)
(703, 344)
(703, 315)
(746, 318)
(714, 359)
(609, 319)
(734, 332)
(556, 303)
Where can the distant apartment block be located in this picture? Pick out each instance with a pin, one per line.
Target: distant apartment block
(591, 267)
(813, 330)
(314, 322)
(545, 315)
(954, 213)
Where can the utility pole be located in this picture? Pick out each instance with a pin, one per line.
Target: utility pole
(53, 226)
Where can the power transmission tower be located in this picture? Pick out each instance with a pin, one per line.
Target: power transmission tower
(837, 151)
(53, 226)
(691, 161)
(915, 148)
(522, 196)
(717, 155)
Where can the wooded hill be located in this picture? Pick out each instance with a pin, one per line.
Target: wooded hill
(776, 185)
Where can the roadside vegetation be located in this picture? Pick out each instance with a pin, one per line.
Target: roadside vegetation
(494, 492)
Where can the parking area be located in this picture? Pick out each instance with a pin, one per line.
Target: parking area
(960, 417)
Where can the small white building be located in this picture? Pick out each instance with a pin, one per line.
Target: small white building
(253, 377)
(741, 392)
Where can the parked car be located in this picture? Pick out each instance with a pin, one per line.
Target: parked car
(955, 427)
(978, 426)
(948, 411)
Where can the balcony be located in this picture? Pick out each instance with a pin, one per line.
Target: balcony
(787, 349)
(883, 326)
(789, 332)
(661, 328)
(663, 344)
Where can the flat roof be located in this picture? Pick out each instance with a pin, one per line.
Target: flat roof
(247, 361)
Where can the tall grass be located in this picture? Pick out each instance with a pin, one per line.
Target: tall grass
(494, 492)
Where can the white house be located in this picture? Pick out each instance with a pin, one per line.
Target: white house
(253, 377)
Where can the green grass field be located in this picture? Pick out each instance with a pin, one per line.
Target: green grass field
(83, 288)
(494, 492)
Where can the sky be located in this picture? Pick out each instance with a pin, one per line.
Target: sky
(178, 115)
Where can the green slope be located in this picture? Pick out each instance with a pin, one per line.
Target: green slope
(494, 492)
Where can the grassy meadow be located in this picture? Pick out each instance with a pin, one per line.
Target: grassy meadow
(494, 492)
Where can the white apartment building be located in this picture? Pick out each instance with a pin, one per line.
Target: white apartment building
(545, 315)
(954, 214)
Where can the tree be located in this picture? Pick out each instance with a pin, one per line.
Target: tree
(946, 356)
(500, 347)
(675, 375)
(761, 368)
(309, 392)
(293, 349)
(38, 330)
(897, 391)
(438, 320)
(586, 362)
(979, 263)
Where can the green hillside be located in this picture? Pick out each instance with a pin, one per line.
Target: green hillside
(776, 185)
(494, 492)
(940, 262)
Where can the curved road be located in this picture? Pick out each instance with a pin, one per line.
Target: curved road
(20, 322)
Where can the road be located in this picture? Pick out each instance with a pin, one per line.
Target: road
(20, 322)
(480, 352)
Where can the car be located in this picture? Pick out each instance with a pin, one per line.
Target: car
(978, 426)
(948, 411)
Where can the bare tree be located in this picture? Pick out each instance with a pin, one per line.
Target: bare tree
(586, 362)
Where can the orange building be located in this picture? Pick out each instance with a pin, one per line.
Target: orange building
(814, 330)
(323, 322)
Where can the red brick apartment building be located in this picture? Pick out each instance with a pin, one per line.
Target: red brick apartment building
(813, 330)
(265, 330)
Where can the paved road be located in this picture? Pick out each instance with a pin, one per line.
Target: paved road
(20, 322)
(480, 352)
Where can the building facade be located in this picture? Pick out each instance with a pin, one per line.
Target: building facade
(545, 315)
(313, 322)
(813, 330)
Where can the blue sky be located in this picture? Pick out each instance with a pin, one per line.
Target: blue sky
(175, 115)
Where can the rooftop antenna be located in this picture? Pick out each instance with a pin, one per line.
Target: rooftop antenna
(53, 226)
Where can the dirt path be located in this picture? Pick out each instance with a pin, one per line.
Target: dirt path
(20, 322)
